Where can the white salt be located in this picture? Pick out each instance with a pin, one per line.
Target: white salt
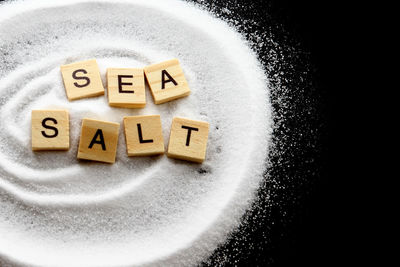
(58, 211)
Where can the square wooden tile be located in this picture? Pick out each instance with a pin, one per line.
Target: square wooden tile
(50, 130)
(188, 139)
(143, 135)
(82, 79)
(166, 81)
(99, 140)
(125, 88)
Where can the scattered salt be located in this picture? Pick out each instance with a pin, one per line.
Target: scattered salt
(155, 211)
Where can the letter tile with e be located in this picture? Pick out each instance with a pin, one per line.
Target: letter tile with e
(125, 88)
(98, 141)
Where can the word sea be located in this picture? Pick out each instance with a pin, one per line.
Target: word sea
(125, 87)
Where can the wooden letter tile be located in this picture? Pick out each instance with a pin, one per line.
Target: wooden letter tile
(82, 79)
(167, 81)
(188, 140)
(98, 140)
(50, 130)
(125, 88)
(143, 135)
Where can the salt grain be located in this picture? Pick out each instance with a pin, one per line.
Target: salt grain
(56, 211)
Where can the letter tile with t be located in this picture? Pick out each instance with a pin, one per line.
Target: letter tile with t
(143, 135)
(188, 139)
(98, 141)
(166, 81)
(82, 79)
(50, 130)
(125, 88)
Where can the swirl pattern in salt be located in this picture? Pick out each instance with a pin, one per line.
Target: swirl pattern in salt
(56, 211)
